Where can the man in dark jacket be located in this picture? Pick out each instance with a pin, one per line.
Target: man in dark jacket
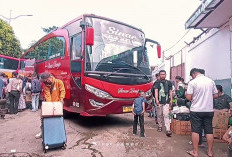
(35, 92)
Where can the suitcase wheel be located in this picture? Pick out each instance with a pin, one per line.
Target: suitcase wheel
(45, 151)
(64, 147)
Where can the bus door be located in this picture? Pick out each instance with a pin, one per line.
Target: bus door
(76, 69)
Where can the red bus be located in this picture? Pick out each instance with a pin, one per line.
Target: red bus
(8, 64)
(102, 62)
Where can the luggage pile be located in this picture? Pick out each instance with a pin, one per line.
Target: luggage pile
(3, 108)
(180, 124)
(53, 128)
(220, 124)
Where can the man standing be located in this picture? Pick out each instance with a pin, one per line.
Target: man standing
(53, 90)
(180, 88)
(201, 91)
(163, 97)
(14, 88)
(224, 101)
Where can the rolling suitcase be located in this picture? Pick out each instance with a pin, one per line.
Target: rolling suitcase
(54, 135)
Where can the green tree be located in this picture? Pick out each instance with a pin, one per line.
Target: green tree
(9, 45)
(49, 29)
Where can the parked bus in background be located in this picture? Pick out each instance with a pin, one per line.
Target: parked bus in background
(102, 62)
(8, 65)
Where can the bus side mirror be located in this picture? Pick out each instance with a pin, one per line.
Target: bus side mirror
(159, 51)
(89, 34)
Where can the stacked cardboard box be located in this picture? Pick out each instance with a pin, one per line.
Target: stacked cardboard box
(181, 127)
(220, 124)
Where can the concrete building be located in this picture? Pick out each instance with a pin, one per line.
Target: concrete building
(212, 49)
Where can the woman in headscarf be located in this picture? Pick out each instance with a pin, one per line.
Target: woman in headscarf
(22, 104)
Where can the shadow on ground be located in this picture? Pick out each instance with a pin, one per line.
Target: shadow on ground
(99, 122)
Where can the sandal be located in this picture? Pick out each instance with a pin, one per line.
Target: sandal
(159, 129)
(210, 155)
(190, 152)
(169, 133)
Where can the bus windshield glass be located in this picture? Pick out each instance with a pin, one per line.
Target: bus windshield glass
(9, 64)
(117, 48)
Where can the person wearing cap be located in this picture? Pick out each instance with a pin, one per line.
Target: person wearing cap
(53, 90)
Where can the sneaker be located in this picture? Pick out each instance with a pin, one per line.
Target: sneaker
(142, 136)
(39, 135)
(169, 133)
(159, 129)
(156, 121)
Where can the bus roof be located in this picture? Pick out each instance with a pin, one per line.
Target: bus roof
(79, 17)
(101, 17)
(8, 57)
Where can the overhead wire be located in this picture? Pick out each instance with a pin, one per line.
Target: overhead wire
(177, 41)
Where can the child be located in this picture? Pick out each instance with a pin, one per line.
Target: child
(138, 110)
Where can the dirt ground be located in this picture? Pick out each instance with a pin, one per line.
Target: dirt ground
(94, 137)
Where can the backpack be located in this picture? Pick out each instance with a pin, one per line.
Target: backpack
(36, 86)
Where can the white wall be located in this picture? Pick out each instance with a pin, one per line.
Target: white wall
(211, 53)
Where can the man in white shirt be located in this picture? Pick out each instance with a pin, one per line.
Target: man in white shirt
(201, 92)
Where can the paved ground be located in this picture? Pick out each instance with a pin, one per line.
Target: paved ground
(94, 137)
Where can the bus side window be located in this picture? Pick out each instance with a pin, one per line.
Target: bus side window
(32, 54)
(76, 47)
(1, 63)
(56, 47)
(43, 51)
(22, 64)
(76, 53)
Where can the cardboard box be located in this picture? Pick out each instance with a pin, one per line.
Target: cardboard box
(221, 119)
(218, 134)
(50, 109)
(181, 127)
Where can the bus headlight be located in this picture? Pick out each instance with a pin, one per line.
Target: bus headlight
(148, 93)
(97, 92)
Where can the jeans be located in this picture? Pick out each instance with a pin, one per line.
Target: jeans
(163, 115)
(153, 112)
(230, 151)
(14, 101)
(141, 122)
(35, 101)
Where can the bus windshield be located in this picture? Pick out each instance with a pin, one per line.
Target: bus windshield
(8, 63)
(117, 48)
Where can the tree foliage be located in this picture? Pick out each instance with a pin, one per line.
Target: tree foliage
(9, 45)
(49, 29)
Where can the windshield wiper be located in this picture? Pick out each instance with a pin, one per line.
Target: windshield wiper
(136, 69)
(120, 69)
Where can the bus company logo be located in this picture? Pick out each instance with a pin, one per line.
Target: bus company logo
(125, 91)
(53, 65)
(113, 34)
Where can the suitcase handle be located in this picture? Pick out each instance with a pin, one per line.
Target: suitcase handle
(53, 111)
